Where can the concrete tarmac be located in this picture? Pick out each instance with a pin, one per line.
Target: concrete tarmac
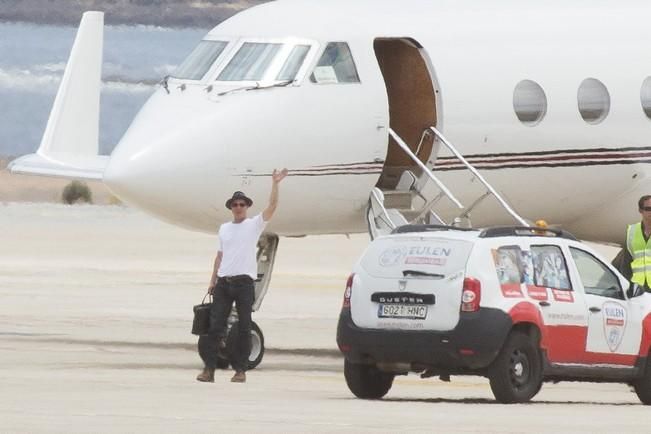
(95, 313)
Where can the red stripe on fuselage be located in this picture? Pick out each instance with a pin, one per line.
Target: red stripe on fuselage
(532, 159)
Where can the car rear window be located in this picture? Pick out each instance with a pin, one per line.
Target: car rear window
(425, 257)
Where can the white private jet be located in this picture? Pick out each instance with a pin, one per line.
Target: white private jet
(549, 101)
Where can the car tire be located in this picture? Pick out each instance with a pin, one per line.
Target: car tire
(367, 381)
(257, 344)
(642, 385)
(516, 374)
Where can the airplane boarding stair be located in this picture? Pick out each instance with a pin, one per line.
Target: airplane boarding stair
(409, 203)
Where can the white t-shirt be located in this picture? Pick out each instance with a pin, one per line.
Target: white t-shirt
(238, 244)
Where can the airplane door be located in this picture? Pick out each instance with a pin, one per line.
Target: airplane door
(411, 93)
(614, 323)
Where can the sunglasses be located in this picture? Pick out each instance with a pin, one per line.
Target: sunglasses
(238, 204)
(645, 208)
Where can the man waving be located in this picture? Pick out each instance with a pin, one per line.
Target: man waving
(233, 277)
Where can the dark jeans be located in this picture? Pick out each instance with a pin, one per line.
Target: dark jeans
(240, 290)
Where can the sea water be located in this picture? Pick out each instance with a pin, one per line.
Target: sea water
(32, 61)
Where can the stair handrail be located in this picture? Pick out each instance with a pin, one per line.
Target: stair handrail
(476, 173)
(385, 214)
(425, 134)
(426, 169)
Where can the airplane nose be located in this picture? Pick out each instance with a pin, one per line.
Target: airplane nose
(185, 154)
(132, 176)
(176, 164)
(160, 176)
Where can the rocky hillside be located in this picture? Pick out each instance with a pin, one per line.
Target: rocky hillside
(167, 13)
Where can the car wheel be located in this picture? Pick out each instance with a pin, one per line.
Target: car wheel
(516, 374)
(642, 386)
(257, 344)
(367, 381)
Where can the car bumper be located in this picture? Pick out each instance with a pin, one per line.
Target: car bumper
(472, 345)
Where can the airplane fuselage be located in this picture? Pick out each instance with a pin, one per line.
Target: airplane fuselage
(582, 164)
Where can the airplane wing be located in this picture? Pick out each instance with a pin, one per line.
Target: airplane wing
(70, 143)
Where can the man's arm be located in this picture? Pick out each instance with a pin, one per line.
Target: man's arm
(276, 177)
(623, 263)
(213, 278)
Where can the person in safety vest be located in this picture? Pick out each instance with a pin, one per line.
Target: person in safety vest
(634, 260)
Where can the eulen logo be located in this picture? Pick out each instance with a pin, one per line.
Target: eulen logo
(391, 257)
(614, 324)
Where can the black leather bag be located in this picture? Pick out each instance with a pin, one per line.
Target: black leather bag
(201, 322)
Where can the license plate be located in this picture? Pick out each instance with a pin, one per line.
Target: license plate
(404, 311)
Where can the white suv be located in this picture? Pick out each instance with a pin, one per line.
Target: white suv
(518, 305)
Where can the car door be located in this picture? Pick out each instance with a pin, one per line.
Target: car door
(614, 322)
(562, 307)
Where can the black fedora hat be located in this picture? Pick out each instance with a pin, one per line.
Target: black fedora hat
(238, 195)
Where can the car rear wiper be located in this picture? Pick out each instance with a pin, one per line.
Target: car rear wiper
(406, 273)
(256, 87)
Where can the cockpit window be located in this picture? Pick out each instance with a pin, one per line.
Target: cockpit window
(335, 66)
(250, 62)
(195, 66)
(293, 63)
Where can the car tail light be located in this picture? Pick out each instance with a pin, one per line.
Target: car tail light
(348, 292)
(471, 295)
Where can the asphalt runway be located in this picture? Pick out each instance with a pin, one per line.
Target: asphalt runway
(95, 311)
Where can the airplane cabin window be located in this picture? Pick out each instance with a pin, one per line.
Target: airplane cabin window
(293, 63)
(593, 100)
(645, 97)
(195, 66)
(335, 66)
(529, 102)
(250, 62)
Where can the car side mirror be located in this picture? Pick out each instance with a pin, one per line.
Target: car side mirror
(634, 290)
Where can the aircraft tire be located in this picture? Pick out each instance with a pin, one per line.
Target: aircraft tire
(257, 344)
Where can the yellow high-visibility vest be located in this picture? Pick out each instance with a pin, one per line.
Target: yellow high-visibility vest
(640, 251)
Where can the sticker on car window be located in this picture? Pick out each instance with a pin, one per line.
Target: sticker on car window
(392, 257)
(563, 295)
(508, 264)
(415, 255)
(537, 293)
(550, 268)
(428, 255)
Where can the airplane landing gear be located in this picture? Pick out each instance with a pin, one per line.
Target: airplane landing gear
(257, 347)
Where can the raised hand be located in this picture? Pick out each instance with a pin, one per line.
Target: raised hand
(278, 176)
